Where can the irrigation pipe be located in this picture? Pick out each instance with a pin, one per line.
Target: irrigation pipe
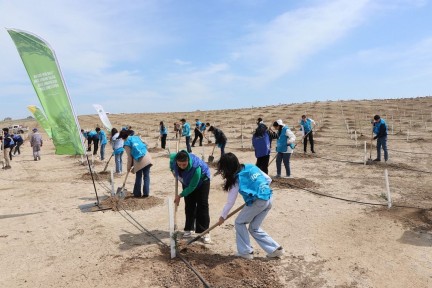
(352, 201)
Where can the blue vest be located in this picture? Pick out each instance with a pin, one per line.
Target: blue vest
(282, 145)
(187, 174)
(186, 129)
(307, 125)
(253, 185)
(163, 130)
(102, 137)
(377, 126)
(261, 145)
(138, 148)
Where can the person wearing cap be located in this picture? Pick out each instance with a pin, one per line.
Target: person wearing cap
(284, 147)
(306, 126)
(186, 133)
(198, 133)
(220, 138)
(380, 130)
(36, 143)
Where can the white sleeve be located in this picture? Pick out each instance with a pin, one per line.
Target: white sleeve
(269, 180)
(291, 136)
(312, 121)
(231, 199)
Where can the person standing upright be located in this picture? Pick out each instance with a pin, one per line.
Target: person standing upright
(103, 141)
(198, 133)
(187, 134)
(307, 125)
(117, 145)
(6, 144)
(380, 130)
(261, 144)
(284, 148)
(36, 143)
(163, 130)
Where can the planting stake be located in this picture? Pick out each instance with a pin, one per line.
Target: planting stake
(389, 202)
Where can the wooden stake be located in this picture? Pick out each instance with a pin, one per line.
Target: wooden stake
(365, 152)
(389, 201)
(171, 228)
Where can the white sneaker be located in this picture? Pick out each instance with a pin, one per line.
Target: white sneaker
(278, 253)
(206, 238)
(187, 234)
(246, 256)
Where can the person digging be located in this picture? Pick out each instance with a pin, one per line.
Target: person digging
(380, 130)
(254, 186)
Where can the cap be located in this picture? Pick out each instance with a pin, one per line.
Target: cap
(35, 129)
(279, 122)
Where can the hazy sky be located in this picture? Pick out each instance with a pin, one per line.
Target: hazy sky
(185, 55)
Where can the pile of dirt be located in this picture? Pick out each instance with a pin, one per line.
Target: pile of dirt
(131, 203)
(294, 183)
(414, 219)
(217, 270)
(96, 176)
(155, 149)
(245, 149)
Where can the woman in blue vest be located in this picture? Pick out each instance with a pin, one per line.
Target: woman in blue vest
(261, 144)
(117, 145)
(254, 186)
(194, 174)
(284, 148)
(163, 131)
(140, 159)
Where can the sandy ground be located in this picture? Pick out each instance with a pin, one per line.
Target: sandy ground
(49, 237)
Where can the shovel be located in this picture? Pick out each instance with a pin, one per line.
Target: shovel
(212, 227)
(106, 165)
(211, 157)
(120, 190)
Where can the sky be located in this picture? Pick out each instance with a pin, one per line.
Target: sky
(186, 55)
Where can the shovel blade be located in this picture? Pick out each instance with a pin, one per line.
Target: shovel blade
(210, 159)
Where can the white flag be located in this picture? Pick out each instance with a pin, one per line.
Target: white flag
(103, 116)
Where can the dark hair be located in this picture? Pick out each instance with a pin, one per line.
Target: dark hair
(259, 119)
(207, 124)
(228, 167)
(275, 124)
(6, 130)
(303, 116)
(183, 120)
(124, 134)
(182, 156)
(211, 129)
(113, 131)
(377, 117)
(97, 129)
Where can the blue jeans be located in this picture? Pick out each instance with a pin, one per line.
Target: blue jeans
(119, 162)
(254, 215)
(382, 142)
(143, 174)
(102, 151)
(286, 160)
(188, 146)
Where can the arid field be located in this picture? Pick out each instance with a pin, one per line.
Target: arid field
(332, 217)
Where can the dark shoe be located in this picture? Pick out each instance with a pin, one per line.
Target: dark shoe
(145, 196)
(7, 167)
(313, 151)
(377, 160)
(137, 196)
(35, 159)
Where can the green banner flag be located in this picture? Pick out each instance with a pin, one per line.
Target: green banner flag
(41, 119)
(44, 72)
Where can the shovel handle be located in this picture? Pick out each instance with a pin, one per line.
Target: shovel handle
(215, 225)
(106, 166)
(214, 146)
(127, 173)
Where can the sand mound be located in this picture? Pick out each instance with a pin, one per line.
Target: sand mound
(131, 203)
(295, 183)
